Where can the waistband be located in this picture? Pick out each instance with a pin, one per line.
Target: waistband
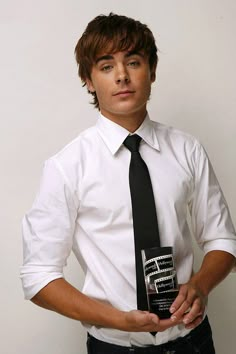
(195, 336)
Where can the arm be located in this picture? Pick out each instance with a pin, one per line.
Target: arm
(61, 297)
(215, 267)
(214, 233)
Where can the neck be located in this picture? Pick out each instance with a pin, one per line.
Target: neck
(130, 122)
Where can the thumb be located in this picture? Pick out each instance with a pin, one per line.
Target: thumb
(154, 318)
(149, 318)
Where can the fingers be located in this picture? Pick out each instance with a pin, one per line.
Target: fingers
(188, 309)
(190, 305)
(142, 321)
(196, 312)
(182, 302)
(194, 323)
(146, 318)
(154, 318)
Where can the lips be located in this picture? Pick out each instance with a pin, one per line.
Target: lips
(123, 93)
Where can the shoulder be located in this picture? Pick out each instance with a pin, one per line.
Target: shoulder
(70, 158)
(176, 138)
(168, 131)
(72, 151)
(181, 147)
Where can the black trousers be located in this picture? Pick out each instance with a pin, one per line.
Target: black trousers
(198, 341)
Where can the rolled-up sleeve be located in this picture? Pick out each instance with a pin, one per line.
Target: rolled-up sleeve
(48, 230)
(211, 220)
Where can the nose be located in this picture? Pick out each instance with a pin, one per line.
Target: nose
(122, 75)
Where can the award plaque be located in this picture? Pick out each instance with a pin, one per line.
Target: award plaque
(160, 278)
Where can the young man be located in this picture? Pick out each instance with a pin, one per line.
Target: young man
(84, 205)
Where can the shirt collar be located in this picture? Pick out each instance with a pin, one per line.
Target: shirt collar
(113, 134)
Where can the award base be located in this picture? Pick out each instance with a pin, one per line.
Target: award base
(160, 303)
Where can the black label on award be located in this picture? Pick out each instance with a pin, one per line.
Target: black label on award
(161, 303)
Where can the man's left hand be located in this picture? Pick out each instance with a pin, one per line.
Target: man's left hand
(189, 305)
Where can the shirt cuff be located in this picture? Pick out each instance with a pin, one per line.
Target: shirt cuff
(222, 245)
(33, 281)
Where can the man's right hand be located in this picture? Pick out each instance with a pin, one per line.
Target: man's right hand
(144, 321)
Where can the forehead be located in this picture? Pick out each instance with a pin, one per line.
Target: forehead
(115, 45)
(109, 55)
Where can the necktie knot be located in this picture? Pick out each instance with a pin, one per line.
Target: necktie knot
(132, 142)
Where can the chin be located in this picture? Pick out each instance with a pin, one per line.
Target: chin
(130, 108)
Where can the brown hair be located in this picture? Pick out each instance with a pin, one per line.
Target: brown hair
(112, 33)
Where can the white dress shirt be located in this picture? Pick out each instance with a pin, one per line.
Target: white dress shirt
(84, 205)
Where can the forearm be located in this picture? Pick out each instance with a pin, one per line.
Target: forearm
(215, 267)
(62, 297)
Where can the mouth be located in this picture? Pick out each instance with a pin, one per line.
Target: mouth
(123, 93)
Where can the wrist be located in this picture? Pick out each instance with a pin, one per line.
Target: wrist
(120, 321)
(200, 284)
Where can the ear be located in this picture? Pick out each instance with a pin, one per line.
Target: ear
(90, 86)
(153, 76)
(153, 72)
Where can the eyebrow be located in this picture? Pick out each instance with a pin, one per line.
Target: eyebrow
(110, 56)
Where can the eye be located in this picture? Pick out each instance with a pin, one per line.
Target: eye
(106, 67)
(134, 63)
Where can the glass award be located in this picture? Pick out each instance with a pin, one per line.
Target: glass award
(160, 278)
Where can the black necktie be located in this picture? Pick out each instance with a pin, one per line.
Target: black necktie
(146, 234)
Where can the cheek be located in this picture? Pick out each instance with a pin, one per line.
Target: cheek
(102, 94)
(145, 86)
(144, 80)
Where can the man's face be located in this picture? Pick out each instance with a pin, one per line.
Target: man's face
(122, 82)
